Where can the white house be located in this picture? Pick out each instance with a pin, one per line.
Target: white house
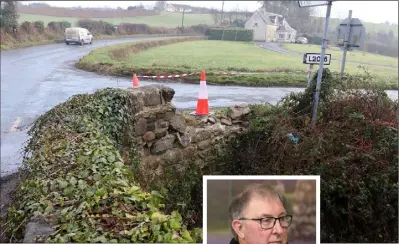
(270, 27)
(177, 8)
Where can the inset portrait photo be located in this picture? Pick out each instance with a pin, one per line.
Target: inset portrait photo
(261, 209)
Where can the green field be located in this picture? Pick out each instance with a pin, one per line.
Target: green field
(194, 56)
(163, 20)
(211, 55)
(336, 53)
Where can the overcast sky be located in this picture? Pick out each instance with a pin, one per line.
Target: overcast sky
(369, 11)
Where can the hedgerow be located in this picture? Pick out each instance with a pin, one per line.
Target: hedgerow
(353, 147)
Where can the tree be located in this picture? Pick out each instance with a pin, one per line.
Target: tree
(391, 37)
(215, 16)
(141, 6)
(39, 5)
(298, 18)
(9, 16)
(160, 5)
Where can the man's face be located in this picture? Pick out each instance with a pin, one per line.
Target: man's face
(258, 208)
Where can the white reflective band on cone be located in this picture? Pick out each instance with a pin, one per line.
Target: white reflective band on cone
(203, 93)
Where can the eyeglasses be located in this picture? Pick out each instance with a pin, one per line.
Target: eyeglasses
(269, 222)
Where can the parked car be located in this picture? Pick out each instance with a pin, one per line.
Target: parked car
(301, 40)
(78, 35)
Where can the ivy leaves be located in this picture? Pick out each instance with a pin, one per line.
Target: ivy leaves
(78, 178)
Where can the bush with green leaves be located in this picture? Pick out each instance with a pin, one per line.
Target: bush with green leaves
(97, 27)
(75, 177)
(302, 102)
(9, 15)
(353, 147)
(28, 27)
(59, 25)
(39, 25)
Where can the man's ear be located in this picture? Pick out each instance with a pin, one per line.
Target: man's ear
(238, 228)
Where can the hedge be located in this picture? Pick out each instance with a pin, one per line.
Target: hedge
(233, 34)
(58, 25)
(353, 147)
(97, 27)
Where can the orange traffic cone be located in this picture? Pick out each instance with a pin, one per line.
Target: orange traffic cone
(135, 81)
(202, 102)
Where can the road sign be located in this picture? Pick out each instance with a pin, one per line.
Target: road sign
(356, 35)
(314, 58)
(305, 4)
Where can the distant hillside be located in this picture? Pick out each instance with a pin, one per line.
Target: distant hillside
(370, 27)
(162, 20)
(83, 12)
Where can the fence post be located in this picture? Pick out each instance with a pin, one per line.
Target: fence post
(235, 39)
(223, 34)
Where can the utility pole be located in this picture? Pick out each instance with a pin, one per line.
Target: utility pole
(182, 20)
(222, 17)
(346, 40)
(320, 73)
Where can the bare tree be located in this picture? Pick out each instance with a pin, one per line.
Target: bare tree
(222, 16)
(299, 18)
(215, 16)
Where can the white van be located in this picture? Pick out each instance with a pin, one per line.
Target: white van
(78, 35)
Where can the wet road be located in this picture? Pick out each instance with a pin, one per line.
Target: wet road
(35, 79)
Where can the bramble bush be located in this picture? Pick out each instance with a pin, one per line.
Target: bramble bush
(353, 147)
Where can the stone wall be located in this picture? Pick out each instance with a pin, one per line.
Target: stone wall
(164, 137)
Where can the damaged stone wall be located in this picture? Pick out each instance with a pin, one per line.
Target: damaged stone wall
(164, 137)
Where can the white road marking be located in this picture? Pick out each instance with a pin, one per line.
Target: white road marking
(14, 126)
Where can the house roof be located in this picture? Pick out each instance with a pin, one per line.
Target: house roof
(285, 27)
(265, 18)
(269, 18)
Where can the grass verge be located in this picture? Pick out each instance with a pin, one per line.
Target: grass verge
(275, 69)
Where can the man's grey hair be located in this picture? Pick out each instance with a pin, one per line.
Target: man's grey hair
(241, 201)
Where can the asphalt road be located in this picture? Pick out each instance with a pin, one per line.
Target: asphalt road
(35, 79)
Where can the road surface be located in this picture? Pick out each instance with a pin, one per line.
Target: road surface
(35, 79)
